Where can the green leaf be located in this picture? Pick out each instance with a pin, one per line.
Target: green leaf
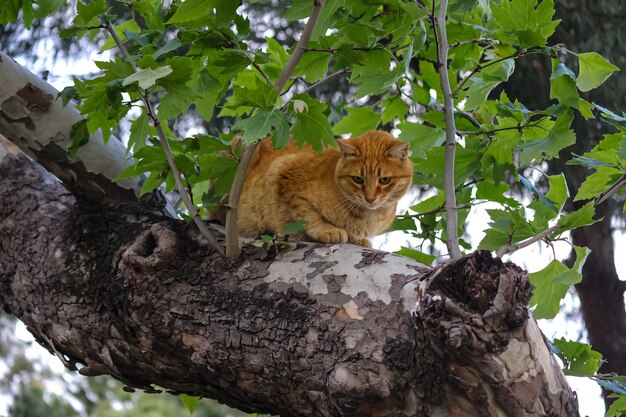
(581, 217)
(594, 70)
(598, 182)
(262, 124)
(311, 124)
(28, 13)
(490, 191)
(299, 226)
(151, 183)
(262, 96)
(90, 10)
(189, 402)
(79, 136)
(431, 204)
(579, 359)
(552, 282)
(481, 84)
(191, 10)
(139, 131)
(466, 163)
(421, 137)
(419, 256)
(560, 136)
(506, 226)
(147, 77)
(374, 81)
(523, 22)
(563, 85)
(618, 408)
(531, 187)
(402, 223)
(130, 26)
(358, 120)
(394, 109)
(299, 9)
(313, 66)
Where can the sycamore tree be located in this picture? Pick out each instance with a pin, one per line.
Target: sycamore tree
(107, 278)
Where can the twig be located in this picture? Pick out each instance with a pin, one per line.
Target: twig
(611, 191)
(512, 247)
(319, 83)
(232, 232)
(452, 225)
(258, 68)
(481, 67)
(499, 129)
(204, 231)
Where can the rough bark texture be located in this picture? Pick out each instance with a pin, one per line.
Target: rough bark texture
(321, 330)
(589, 25)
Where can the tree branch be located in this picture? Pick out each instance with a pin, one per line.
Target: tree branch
(233, 249)
(452, 226)
(325, 330)
(512, 247)
(180, 188)
(611, 191)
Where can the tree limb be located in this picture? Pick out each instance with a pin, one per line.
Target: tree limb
(321, 330)
(35, 120)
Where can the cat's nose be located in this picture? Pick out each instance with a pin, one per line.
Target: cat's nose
(370, 199)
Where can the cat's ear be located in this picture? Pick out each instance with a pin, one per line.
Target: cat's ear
(398, 150)
(346, 148)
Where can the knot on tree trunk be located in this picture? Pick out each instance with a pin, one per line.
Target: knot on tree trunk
(473, 305)
(152, 251)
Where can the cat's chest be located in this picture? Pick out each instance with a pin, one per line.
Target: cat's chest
(361, 223)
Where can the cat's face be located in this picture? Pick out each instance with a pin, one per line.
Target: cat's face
(374, 170)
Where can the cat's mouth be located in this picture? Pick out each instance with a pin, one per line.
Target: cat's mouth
(373, 205)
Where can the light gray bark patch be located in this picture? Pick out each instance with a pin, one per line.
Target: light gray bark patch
(320, 267)
(334, 282)
(12, 111)
(371, 257)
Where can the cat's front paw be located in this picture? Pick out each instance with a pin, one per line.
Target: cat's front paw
(363, 242)
(333, 235)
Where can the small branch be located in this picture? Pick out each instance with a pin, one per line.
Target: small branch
(452, 226)
(611, 191)
(481, 67)
(180, 188)
(232, 232)
(512, 247)
(321, 82)
(499, 129)
(258, 68)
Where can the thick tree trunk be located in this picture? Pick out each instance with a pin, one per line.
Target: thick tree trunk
(320, 330)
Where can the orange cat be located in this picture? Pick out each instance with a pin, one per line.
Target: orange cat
(345, 195)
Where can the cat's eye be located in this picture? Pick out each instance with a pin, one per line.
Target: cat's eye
(358, 180)
(384, 180)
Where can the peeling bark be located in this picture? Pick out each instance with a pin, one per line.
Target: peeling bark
(320, 330)
(32, 116)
